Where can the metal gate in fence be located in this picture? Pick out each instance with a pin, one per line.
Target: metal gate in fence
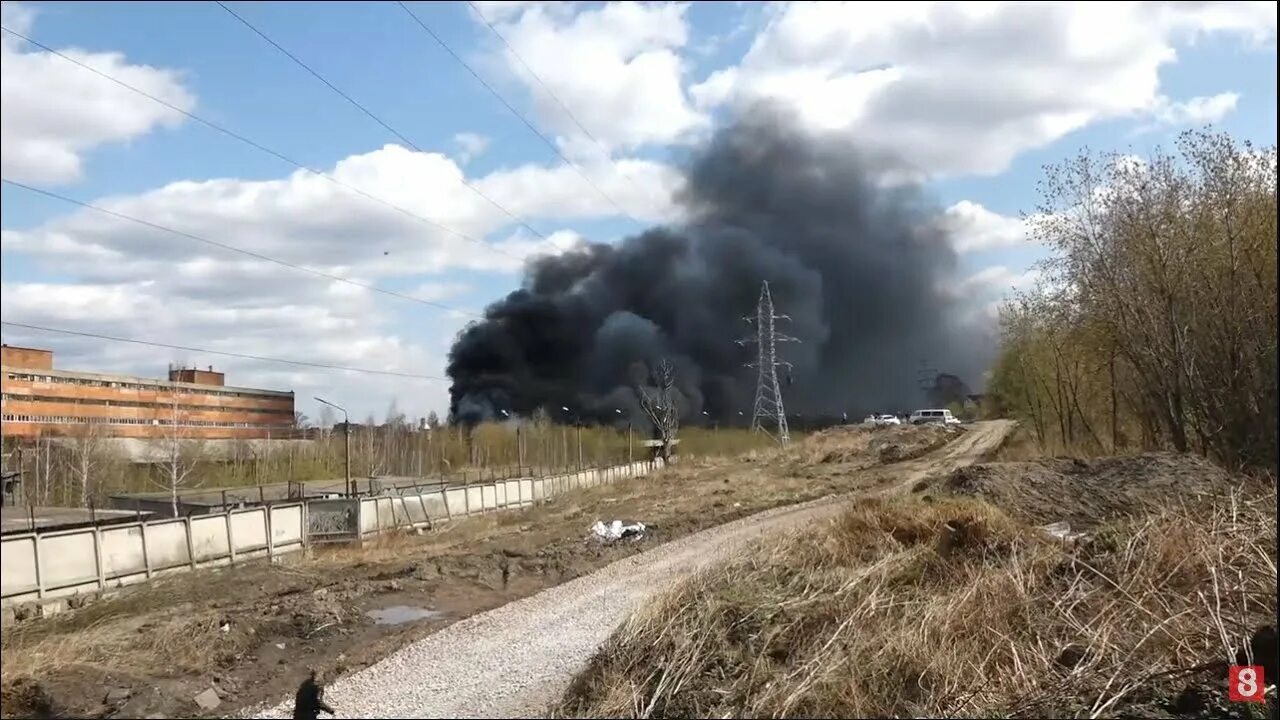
(333, 520)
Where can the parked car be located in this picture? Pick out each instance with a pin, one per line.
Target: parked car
(943, 417)
(881, 420)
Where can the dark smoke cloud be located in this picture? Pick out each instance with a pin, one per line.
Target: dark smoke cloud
(864, 271)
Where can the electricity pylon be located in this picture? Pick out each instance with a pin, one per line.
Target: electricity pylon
(768, 406)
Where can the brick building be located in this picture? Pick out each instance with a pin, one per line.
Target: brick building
(192, 403)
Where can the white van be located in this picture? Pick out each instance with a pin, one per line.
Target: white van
(944, 417)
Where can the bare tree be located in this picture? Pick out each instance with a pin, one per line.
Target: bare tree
(658, 404)
(180, 454)
(84, 457)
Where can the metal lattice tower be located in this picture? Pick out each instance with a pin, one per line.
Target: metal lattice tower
(927, 379)
(768, 406)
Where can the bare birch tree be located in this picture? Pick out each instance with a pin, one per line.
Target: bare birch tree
(83, 459)
(657, 401)
(180, 453)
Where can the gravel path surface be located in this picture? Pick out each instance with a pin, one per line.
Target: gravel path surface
(516, 660)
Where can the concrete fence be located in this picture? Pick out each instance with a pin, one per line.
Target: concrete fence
(345, 520)
(45, 565)
(52, 568)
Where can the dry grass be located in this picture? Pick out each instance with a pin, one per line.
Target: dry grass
(1019, 446)
(170, 647)
(909, 608)
(866, 445)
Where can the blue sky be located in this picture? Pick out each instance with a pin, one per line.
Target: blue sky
(648, 81)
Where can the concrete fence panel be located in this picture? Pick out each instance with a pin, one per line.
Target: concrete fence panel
(514, 495)
(413, 509)
(209, 538)
(68, 560)
(368, 510)
(456, 501)
(475, 499)
(123, 553)
(286, 526)
(489, 497)
(435, 503)
(249, 530)
(167, 544)
(18, 561)
(387, 513)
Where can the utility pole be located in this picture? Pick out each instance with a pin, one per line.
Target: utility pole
(768, 404)
(346, 443)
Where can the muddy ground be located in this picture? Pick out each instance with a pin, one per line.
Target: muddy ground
(212, 642)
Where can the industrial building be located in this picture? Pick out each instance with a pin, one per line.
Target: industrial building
(193, 404)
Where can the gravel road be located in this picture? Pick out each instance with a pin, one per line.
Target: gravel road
(516, 660)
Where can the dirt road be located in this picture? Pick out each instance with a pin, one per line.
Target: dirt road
(514, 661)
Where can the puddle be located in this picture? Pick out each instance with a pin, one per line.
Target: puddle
(399, 614)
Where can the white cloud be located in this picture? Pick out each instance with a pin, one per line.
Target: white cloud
(471, 145)
(641, 188)
(980, 295)
(435, 292)
(1256, 20)
(54, 112)
(133, 281)
(1197, 110)
(974, 228)
(617, 68)
(306, 219)
(962, 88)
(999, 279)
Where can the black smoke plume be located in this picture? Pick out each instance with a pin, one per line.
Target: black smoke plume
(864, 269)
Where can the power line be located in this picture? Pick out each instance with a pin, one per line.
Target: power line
(527, 123)
(518, 220)
(263, 148)
(550, 92)
(243, 356)
(232, 248)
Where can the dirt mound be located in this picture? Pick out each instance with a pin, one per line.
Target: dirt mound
(1085, 492)
(866, 445)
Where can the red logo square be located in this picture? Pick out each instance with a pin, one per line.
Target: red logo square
(1245, 683)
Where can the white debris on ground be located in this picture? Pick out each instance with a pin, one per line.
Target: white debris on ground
(617, 530)
(1061, 531)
